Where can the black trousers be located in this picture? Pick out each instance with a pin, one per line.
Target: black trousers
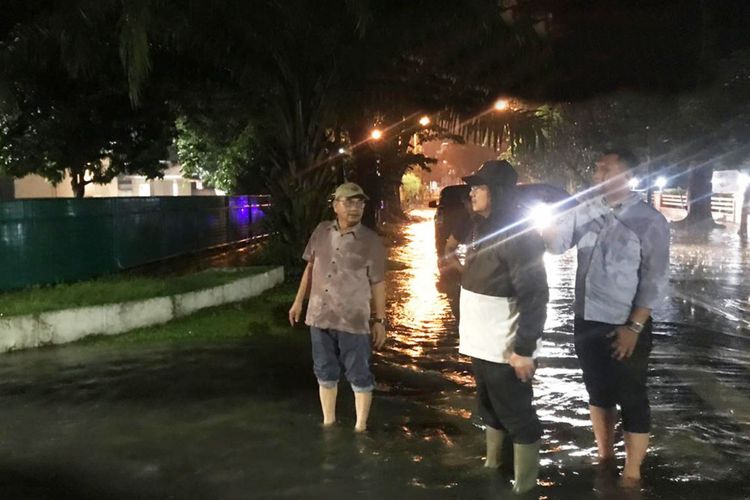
(505, 403)
(610, 382)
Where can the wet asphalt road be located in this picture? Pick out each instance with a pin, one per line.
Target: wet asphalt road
(240, 419)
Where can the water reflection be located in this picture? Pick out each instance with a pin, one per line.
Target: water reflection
(699, 385)
(423, 335)
(191, 421)
(424, 308)
(708, 278)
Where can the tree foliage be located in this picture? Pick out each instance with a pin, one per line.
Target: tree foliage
(268, 91)
(225, 161)
(64, 108)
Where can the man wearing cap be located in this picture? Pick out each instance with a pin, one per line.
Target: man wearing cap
(623, 261)
(503, 308)
(345, 273)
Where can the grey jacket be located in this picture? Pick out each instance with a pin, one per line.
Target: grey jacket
(623, 257)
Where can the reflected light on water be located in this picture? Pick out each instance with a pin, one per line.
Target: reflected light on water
(424, 304)
(419, 314)
(464, 379)
(700, 361)
(561, 284)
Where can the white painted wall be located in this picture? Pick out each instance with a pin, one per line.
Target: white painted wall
(34, 186)
(173, 184)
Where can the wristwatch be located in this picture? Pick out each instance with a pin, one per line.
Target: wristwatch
(382, 321)
(634, 326)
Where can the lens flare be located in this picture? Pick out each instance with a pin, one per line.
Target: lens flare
(541, 215)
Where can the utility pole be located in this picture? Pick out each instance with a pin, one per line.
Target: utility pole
(649, 183)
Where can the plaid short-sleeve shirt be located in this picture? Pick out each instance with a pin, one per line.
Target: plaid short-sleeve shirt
(345, 266)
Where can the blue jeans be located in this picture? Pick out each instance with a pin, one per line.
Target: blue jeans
(334, 349)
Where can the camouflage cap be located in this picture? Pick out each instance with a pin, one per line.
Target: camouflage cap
(349, 190)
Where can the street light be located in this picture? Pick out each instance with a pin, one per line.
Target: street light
(633, 183)
(376, 134)
(501, 105)
(661, 181)
(342, 151)
(424, 121)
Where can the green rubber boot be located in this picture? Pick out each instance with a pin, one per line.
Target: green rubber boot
(494, 438)
(525, 466)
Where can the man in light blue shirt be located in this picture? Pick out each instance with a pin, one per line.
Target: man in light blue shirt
(623, 261)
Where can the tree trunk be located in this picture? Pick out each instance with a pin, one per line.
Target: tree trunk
(7, 188)
(700, 189)
(299, 204)
(78, 184)
(365, 174)
(392, 203)
(744, 214)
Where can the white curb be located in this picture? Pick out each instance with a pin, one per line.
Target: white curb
(59, 327)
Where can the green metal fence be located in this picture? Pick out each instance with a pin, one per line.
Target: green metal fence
(46, 241)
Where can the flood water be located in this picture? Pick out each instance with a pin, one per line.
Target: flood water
(240, 419)
(699, 375)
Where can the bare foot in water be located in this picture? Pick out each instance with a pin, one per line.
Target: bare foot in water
(630, 483)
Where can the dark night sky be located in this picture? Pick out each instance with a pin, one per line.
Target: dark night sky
(595, 45)
(653, 45)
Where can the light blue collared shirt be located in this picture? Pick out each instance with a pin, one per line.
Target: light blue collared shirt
(623, 256)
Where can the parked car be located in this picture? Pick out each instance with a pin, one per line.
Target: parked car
(540, 201)
(452, 210)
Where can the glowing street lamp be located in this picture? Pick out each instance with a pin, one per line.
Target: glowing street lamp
(633, 183)
(424, 121)
(342, 151)
(661, 181)
(376, 134)
(501, 105)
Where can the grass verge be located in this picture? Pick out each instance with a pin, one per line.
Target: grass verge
(265, 314)
(115, 289)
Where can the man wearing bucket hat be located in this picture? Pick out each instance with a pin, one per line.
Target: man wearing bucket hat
(345, 273)
(503, 305)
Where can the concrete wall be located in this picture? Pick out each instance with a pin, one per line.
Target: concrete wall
(59, 327)
(34, 186)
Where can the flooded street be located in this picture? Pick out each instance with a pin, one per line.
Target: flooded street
(698, 377)
(241, 420)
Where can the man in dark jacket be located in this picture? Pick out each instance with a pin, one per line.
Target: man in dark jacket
(504, 298)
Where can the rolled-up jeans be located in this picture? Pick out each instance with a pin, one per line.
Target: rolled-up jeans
(334, 350)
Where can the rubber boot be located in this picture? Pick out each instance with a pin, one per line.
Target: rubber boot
(494, 438)
(525, 466)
